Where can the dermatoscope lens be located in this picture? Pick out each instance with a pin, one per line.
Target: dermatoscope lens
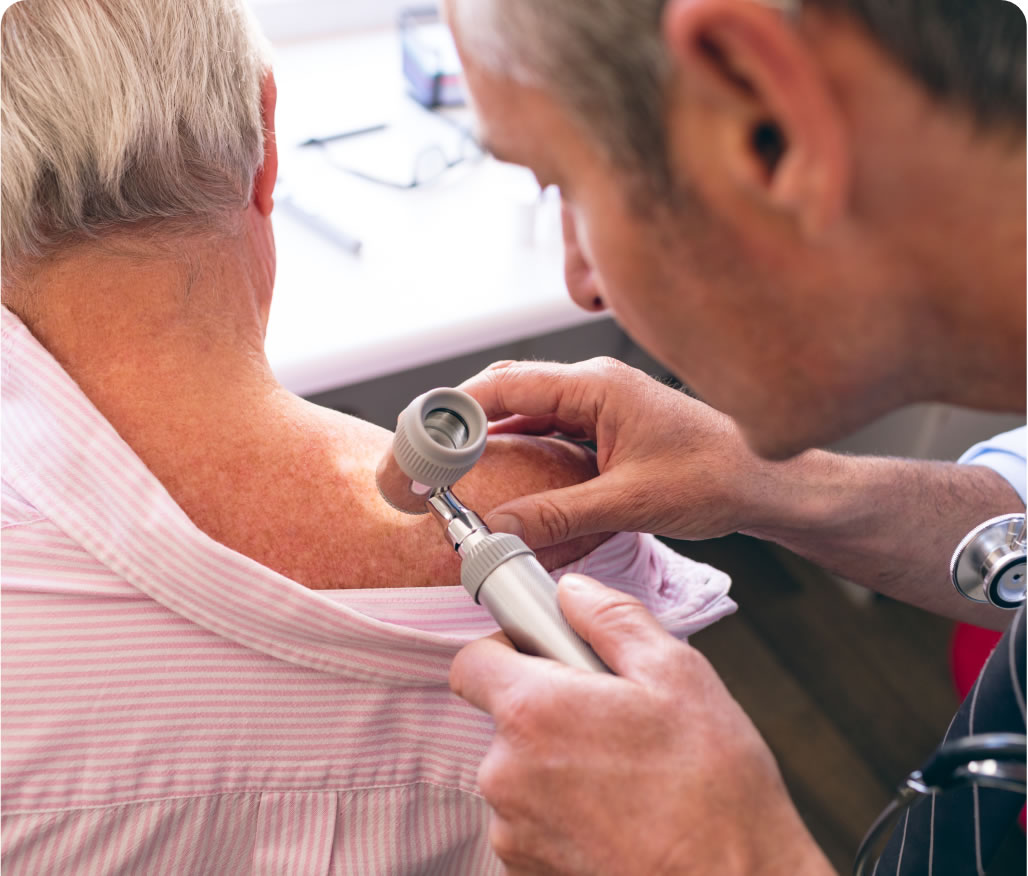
(446, 428)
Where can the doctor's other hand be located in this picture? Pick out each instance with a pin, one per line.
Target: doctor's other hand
(668, 464)
(654, 770)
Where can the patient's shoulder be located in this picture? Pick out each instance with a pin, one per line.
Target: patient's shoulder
(394, 549)
(309, 508)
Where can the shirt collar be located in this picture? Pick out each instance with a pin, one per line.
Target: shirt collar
(69, 462)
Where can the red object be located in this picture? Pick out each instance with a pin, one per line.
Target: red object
(969, 650)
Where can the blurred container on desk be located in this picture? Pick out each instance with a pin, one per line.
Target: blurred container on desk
(430, 62)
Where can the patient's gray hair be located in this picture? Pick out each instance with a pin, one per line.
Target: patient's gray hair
(605, 59)
(117, 112)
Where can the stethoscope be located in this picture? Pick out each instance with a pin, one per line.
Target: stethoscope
(989, 563)
(989, 760)
(988, 566)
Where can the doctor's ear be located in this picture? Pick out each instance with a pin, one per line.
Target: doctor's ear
(752, 118)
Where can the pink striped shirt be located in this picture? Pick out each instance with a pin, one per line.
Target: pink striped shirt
(171, 706)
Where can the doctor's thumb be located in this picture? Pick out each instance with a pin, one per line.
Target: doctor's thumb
(619, 628)
(553, 517)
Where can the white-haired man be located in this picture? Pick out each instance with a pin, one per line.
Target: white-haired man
(204, 667)
(813, 212)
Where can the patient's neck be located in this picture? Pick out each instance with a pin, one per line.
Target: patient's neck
(170, 351)
(155, 332)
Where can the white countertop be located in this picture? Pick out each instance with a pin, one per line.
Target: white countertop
(445, 269)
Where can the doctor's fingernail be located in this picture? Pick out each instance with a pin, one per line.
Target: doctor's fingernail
(506, 523)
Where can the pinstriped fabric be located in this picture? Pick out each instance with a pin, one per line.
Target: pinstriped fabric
(293, 834)
(171, 707)
(377, 845)
(959, 831)
(205, 835)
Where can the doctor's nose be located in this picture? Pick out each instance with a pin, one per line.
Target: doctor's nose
(593, 304)
(579, 275)
(582, 282)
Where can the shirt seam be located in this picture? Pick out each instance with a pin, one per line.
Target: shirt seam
(16, 523)
(65, 809)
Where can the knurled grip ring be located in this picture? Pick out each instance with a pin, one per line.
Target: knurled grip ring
(416, 444)
(486, 556)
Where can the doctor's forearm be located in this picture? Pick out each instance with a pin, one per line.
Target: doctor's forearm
(888, 524)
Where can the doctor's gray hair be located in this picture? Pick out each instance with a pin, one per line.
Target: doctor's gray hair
(120, 112)
(605, 60)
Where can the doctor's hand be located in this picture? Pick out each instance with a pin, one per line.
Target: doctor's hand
(673, 466)
(668, 464)
(655, 770)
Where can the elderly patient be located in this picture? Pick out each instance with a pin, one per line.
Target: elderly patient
(222, 652)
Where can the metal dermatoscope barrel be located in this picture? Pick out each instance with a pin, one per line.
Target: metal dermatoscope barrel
(439, 438)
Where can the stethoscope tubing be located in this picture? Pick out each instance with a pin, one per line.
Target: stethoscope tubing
(992, 760)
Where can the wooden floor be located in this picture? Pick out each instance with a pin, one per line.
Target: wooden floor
(850, 694)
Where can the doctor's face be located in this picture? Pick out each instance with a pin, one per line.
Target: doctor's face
(791, 347)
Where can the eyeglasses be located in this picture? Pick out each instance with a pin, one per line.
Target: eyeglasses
(429, 164)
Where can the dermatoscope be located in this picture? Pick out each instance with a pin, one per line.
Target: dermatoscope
(439, 438)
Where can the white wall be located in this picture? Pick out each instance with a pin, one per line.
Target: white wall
(928, 431)
(284, 20)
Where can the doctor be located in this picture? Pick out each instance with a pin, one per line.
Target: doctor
(813, 215)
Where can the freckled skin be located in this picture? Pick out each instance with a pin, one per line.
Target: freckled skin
(285, 482)
(299, 496)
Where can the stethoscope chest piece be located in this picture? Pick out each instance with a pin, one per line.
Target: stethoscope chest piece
(989, 563)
